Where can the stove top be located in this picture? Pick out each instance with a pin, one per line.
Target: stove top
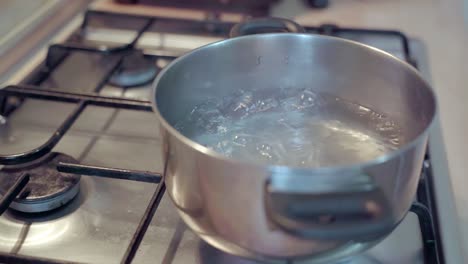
(85, 111)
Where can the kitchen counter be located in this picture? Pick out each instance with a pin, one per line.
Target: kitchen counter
(443, 28)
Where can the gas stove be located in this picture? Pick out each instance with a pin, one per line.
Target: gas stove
(85, 184)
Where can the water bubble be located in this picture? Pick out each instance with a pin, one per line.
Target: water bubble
(300, 101)
(265, 105)
(240, 140)
(362, 111)
(238, 105)
(265, 150)
(222, 129)
(385, 126)
(297, 127)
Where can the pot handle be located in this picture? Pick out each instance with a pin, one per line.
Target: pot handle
(327, 209)
(265, 25)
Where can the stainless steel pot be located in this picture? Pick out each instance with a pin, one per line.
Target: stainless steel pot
(272, 211)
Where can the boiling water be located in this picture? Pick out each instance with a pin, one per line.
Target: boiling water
(295, 128)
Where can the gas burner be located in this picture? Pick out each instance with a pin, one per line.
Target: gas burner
(135, 70)
(47, 189)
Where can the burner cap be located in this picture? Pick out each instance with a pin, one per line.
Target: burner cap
(135, 70)
(47, 188)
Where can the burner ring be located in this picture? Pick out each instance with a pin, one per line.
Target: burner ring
(38, 206)
(135, 70)
(47, 188)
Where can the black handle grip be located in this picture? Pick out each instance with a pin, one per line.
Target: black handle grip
(265, 25)
(359, 212)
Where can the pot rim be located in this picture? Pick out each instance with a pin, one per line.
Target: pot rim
(326, 169)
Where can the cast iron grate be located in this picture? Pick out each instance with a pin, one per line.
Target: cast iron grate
(57, 53)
